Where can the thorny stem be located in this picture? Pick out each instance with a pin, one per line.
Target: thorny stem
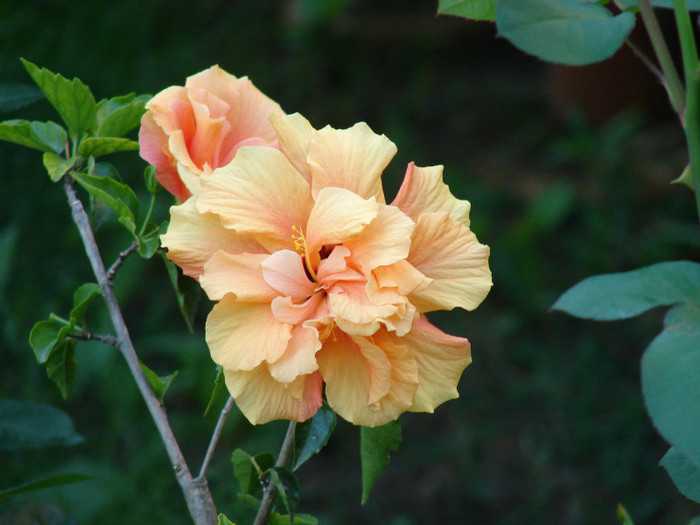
(196, 492)
(673, 83)
(215, 438)
(120, 260)
(270, 490)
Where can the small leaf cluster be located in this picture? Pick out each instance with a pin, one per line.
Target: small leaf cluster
(568, 32)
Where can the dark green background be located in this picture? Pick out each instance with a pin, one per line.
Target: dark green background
(550, 427)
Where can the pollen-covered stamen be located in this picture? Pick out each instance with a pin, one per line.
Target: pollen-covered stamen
(300, 246)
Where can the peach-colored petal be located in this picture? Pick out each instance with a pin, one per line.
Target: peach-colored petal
(284, 271)
(286, 311)
(423, 190)
(152, 141)
(205, 146)
(335, 268)
(386, 240)
(168, 109)
(259, 193)
(441, 359)
(193, 237)
(337, 216)
(262, 399)
(294, 133)
(221, 85)
(243, 335)
(368, 384)
(352, 158)
(449, 253)
(240, 274)
(300, 356)
(354, 312)
(255, 112)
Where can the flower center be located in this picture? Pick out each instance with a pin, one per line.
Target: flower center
(300, 247)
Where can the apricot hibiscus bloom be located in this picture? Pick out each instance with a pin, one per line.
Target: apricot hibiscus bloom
(318, 280)
(190, 131)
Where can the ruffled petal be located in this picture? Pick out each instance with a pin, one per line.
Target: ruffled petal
(335, 268)
(314, 308)
(386, 240)
(262, 399)
(259, 193)
(254, 118)
(337, 216)
(423, 190)
(441, 359)
(354, 312)
(366, 383)
(352, 158)
(243, 335)
(449, 253)
(294, 133)
(284, 271)
(153, 149)
(240, 274)
(300, 356)
(193, 237)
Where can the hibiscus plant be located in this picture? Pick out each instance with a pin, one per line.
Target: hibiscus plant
(319, 285)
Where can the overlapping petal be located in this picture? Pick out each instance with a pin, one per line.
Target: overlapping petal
(448, 253)
(239, 274)
(294, 133)
(259, 194)
(261, 398)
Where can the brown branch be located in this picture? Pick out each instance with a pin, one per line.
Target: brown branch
(215, 438)
(120, 260)
(196, 492)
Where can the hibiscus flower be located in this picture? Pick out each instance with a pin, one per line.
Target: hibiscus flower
(318, 281)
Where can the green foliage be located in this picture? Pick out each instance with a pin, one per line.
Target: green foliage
(375, 445)
(54, 348)
(15, 96)
(622, 295)
(298, 519)
(223, 520)
(219, 383)
(287, 487)
(684, 473)
(187, 292)
(72, 99)
(159, 384)
(118, 196)
(564, 31)
(99, 146)
(149, 178)
(57, 167)
(250, 470)
(312, 435)
(623, 516)
(27, 425)
(119, 115)
(44, 483)
(472, 9)
(44, 136)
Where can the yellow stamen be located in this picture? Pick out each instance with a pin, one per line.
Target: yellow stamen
(300, 246)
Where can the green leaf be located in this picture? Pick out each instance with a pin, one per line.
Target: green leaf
(670, 379)
(375, 445)
(119, 115)
(472, 9)
(159, 384)
(27, 425)
(219, 383)
(72, 99)
(623, 516)
(683, 472)
(312, 435)
(223, 520)
(81, 300)
(116, 195)
(15, 96)
(693, 5)
(149, 177)
(622, 295)
(98, 146)
(186, 289)
(299, 519)
(61, 366)
(57, 167)
(287, 487)
(46, 336)
(249, 470)
(44, 483)
(149, 242)
(569, 32)
(44, 136)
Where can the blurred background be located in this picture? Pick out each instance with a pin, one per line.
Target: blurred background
(568, 173)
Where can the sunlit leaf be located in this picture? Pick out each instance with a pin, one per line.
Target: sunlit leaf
(98, 146)
(471, 9)
(57, 167)
(375, 445)
(118, 116)
(44, 136)
(72, 99)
